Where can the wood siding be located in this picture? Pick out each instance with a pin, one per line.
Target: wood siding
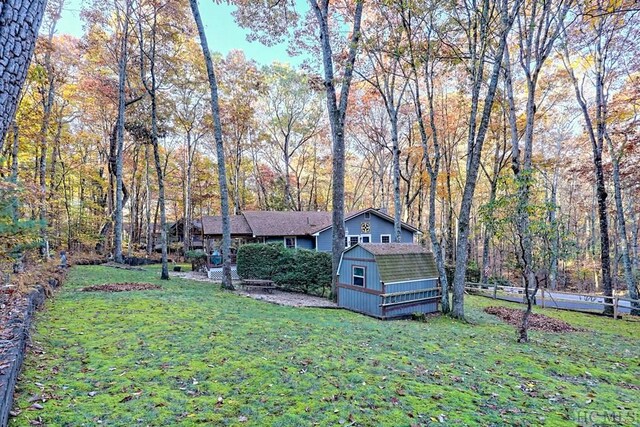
(370, 300)
(378, 226)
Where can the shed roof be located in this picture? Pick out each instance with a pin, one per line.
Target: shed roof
(212, 225)
(399, 262)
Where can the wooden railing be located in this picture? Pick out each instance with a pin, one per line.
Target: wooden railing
(545, 295)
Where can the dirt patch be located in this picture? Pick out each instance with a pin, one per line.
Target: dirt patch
(291, 299)
(513, 316)
(121, 287)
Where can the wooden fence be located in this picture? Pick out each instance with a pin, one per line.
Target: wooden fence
(553, 299)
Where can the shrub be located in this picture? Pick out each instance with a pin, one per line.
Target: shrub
(472, 275)
(297, 270)
(198, 259)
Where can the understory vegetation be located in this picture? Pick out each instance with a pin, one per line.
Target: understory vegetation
(192, 354)
(297, 270)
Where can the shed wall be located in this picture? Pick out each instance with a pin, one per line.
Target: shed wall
(361, 258)
(410, 286)
(359, 301)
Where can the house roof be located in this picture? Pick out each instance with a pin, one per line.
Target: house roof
(212, 225)
(291, 223)
(399, 262)
(284, 223)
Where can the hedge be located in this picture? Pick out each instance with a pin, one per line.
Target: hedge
(297, 270)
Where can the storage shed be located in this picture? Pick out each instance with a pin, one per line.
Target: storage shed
(388, 280)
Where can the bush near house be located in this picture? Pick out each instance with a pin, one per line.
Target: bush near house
(297, 270)
(198, 259)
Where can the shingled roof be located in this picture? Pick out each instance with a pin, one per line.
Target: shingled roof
(293, 223)
(212, 225)
(279, 223)
(402, 261)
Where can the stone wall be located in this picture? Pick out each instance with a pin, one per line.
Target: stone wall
(14, 342)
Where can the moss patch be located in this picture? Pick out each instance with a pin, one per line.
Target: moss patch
(195, 355)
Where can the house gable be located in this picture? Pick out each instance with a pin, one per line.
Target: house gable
(363, 228)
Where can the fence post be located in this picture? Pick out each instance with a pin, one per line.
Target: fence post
(495, 290)
(542, 297)
(615, 307)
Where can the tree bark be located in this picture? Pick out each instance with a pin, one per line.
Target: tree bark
(222, 174)
(19, 24)
(122, 76)
(337, 110)
(597, 139)
(475, 141)
(625, 247)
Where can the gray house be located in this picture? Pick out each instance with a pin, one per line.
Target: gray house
(388, 280)
(306, 229)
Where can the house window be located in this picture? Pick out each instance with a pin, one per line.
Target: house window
(290, 242)
(353, 240)
(358, 276)
(385, 238)
(365, 238)
(367, 215)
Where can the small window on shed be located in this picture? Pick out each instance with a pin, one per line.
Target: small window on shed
(358, 276)
(385, 238)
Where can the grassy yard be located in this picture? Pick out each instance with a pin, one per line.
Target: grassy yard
(191, 354)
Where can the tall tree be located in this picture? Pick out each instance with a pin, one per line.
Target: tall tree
(337, 108)
(217, 128)
(604, 22)
(382, 46)
(123, 17)
(420, 27)
(484, 47)
(48, 92)
(293, 118)
(539, 23)
(149, 78)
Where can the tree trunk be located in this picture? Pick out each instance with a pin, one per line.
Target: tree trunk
(625, 247)
(475, 142)
(597, 138)
(397, 206)
(337, 114)
(147, 183)
(19, 24)
(122, 76)
(222, 174)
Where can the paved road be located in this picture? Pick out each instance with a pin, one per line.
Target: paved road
(563, 300)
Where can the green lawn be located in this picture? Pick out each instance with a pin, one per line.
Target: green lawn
(192, 354)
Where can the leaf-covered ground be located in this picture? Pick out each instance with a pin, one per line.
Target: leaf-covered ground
(195, 355)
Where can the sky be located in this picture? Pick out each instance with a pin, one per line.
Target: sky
(223, 34)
